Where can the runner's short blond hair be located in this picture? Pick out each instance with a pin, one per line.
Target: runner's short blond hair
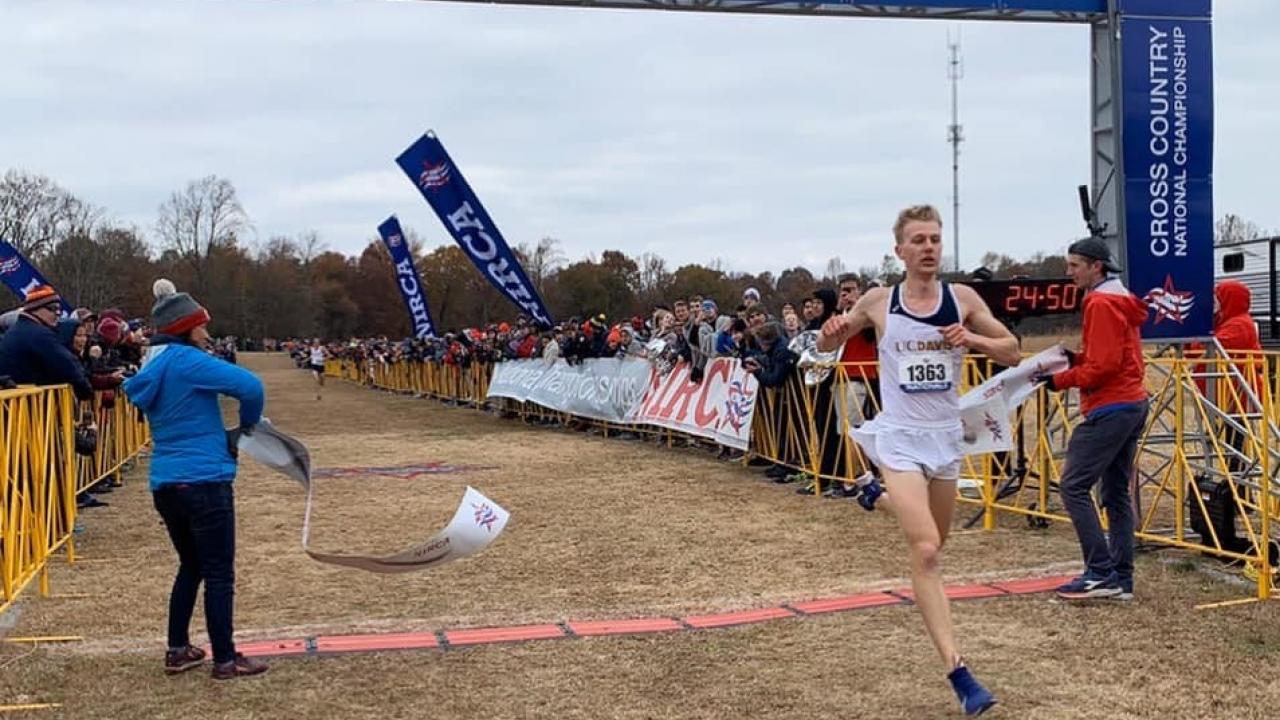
(921, 213)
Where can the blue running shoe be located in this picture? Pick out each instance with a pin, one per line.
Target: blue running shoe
(974, 699)
(1089, 587)
(871, 490)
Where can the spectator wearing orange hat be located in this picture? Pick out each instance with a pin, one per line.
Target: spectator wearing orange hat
(31, 353)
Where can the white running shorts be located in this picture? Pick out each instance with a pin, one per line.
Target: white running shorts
(935, 452)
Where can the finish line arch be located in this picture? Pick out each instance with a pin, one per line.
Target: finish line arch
(1151, 123)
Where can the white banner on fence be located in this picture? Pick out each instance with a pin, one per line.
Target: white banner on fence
(598, 388)
(719, 408)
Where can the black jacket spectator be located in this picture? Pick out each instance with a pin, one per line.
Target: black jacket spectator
(31, 353)
(775, 361)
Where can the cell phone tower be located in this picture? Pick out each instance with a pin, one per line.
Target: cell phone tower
(955, 136)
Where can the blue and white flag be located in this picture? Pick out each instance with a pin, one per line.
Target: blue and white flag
(447, 192)
(410, 284)
(21, 276)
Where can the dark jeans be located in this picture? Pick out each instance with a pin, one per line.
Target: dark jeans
(1103, 448)
(826, 423)
(201, 520)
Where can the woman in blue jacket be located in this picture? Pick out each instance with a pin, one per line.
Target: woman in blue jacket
(193, 465)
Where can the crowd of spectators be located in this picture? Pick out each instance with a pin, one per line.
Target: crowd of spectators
(694, 330)
(92, 351)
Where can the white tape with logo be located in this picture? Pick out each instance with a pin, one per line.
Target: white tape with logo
(985, 410)
(477, 522)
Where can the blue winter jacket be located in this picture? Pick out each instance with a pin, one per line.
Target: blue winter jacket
(177, 389)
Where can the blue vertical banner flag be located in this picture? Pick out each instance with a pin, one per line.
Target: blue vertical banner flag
(1167, 96)
(19, 275)
(440, 181)
(407, 278)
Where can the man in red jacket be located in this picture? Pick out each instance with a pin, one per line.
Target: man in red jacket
(1109, 371)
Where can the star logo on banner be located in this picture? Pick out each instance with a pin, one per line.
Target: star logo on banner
(394, 240)
(993, 426)
(1170, 303)
(433, 176)
(485, 516)
(738, 405)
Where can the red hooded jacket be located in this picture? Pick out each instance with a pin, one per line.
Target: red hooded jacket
(1236, 332)
(1109, 369)
(1233, 326)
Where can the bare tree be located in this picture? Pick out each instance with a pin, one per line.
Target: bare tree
(541, 261)
(655, 279)
(1233, 230)
(105, 270)
(309, 245)
(36, 214)
(835, 268)
(204, 216)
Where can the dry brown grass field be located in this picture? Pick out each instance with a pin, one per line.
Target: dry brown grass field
(607, 528)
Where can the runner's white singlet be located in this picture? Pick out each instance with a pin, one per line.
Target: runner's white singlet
(918, 427)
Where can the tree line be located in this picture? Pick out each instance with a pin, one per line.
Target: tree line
(294, 286)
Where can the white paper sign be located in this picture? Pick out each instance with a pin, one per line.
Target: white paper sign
(985, 410)
(477, 522)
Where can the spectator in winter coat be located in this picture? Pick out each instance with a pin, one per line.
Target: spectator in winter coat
(823, 306)
(31, 353)
(700, 339)
(775, 362)
(193, 466)
(726, 344)
(68, 329)
(628, 345)
(1233, 326)
(1237, 333)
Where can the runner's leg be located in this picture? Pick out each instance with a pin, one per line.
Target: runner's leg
(912, 501)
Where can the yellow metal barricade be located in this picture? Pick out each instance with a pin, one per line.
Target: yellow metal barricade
(37, 485)
(41, 474)
(1211, 429)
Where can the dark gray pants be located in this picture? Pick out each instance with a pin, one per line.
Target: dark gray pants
(1103, 449)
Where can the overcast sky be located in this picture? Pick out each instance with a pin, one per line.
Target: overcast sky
(764, 142)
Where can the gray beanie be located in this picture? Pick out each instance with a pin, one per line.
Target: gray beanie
(175, 313)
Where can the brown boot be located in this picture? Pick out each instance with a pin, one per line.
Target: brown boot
(240, 667)
(180, 661)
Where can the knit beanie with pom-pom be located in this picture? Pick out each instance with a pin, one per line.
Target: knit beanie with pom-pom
(175, 313)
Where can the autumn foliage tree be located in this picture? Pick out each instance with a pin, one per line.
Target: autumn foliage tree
(291, 286)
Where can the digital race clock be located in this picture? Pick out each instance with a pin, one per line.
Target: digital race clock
(1017, 299)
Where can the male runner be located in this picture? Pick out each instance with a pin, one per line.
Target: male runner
(924, 328)
(318, 356)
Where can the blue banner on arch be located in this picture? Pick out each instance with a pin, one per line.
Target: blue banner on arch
(407, 278)
(1168, 163)
(447, 192)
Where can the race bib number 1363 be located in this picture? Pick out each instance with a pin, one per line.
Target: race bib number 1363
(924, 373)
